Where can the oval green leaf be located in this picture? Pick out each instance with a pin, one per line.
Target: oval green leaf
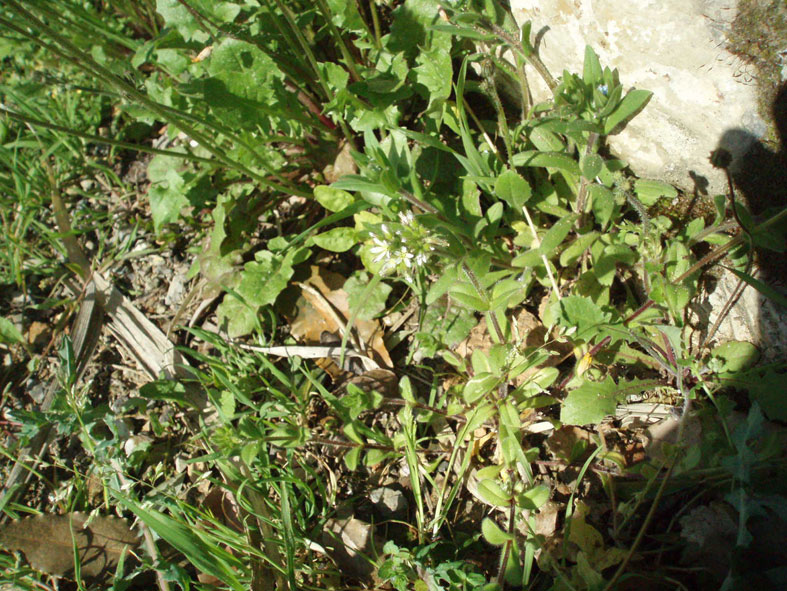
(590, 165)
(332, 199)
(534, 498)
(337, 239)
(491, 492)
(478, 386)
(493, 534)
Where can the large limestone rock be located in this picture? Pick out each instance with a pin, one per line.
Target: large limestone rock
(704, 97)
(703, 94)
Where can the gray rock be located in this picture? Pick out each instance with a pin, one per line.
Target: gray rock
(389, 502)
(674, 48)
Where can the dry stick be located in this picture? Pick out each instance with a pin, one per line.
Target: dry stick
(106, 297)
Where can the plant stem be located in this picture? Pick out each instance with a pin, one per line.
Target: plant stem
(482, 294)
(348, 59)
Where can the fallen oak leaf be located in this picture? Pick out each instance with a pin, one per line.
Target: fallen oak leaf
(48, 543)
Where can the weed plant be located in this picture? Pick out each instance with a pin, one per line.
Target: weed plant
(465, 201)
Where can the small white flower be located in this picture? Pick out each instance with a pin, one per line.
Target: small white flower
(407, 218)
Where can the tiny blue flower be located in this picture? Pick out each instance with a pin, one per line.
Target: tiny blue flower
(602, 88)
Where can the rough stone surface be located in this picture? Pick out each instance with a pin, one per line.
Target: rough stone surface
(704, 97)
(675, 48)
(753, 318)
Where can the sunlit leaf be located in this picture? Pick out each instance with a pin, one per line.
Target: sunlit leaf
(632, 103)
(337, 239)
(493, 534)
(333, 199)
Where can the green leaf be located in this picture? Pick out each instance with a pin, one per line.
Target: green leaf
(337, 239)
(676, 297)
(433, 71)
(345, 15)
(264, 279)
(546, 140)
(238, 317)
(8, 333)
(736, 356)
(760, 286)
(444, 326)
(167, 390)
(352, 458)
(466, 295)
(411, 27)
(372, 303)
(333, 199)
(649, 191)
(768, 391)
(613, 100)
(557, 233)
(606, 266)
(602, 204)
(574, 250)
(286, 435)
(247, 84)
(207, 557)
(507, 293)
(479, 386)
(590, 165)
(534, 498)
(512, 189)
(592, 401)
(178, 16)
(167, 191)
(491, 492)
(591, 73)
(546, 160)
(632, 103)
(493, 534)
(442, 285)
(463, 32)
(549, 242)
(580, 312)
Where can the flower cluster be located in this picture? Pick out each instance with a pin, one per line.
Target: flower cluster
(403, 247)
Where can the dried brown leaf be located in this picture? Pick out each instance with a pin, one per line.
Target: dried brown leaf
(314, 318)
(48, 543)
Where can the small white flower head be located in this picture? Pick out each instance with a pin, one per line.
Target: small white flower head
(402, 247)
(407, 218)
